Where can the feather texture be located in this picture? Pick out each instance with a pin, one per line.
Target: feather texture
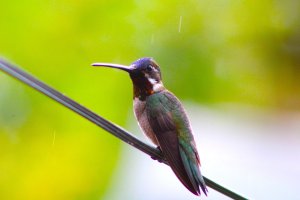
(172, 130)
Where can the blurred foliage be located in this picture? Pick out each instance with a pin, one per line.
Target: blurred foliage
(210, 52)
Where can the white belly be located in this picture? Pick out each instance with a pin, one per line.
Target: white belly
(141, 116)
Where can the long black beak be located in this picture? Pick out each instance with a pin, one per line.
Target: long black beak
(117, 66)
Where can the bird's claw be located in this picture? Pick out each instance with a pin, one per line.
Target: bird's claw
(158, 159)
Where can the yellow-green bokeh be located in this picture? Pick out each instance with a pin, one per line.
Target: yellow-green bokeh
(210, 52)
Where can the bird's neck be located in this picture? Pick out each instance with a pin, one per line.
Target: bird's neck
(146, 87)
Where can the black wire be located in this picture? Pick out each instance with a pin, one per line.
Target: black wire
(116, 130)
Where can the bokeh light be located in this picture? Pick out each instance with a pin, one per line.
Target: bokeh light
(223, 56)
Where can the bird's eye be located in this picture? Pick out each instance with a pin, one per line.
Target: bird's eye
(149, 68)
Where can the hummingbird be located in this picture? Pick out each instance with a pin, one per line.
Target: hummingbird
(164, 121)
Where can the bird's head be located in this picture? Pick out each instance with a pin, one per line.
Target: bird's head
(144, 73)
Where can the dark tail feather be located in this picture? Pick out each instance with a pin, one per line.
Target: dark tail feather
(185, 171)
(193, 172)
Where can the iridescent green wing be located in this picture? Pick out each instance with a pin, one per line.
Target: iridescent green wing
(168, 123)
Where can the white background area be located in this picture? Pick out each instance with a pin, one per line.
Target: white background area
(253, 152)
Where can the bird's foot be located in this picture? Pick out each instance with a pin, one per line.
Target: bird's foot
(156, 158)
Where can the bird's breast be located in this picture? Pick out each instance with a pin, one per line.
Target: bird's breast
(141, 116)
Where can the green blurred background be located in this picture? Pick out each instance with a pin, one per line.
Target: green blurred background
(210, 52)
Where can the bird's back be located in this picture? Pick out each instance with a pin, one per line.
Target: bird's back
(164, 121)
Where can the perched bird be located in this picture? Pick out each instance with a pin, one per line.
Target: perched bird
(164, 120)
